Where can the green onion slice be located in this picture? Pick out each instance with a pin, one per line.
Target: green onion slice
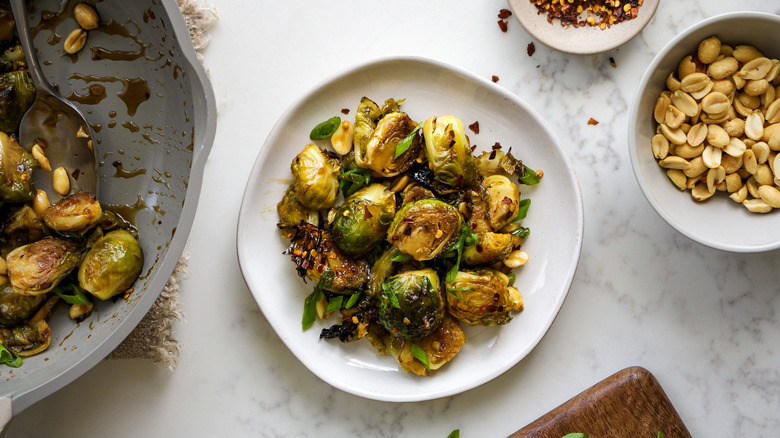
(325, 129)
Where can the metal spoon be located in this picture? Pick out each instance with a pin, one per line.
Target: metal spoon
(60, 128)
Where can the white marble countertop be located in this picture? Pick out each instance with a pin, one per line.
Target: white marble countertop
(704, 322)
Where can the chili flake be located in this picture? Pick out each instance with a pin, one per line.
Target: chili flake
(474, 127)
(601, 13)
(593, 121)
(531, 49)
(502, 25)
(494, 78)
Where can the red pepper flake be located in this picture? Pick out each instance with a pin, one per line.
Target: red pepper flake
(502, 25)
(612, 62)
(496, 146)
(474, 127)
(531, 49)
(345, 111)
(593, 121)
(504, 14)
(494, 78)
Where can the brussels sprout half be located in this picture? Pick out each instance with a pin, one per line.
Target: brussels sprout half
(15, 307)
(503, 200)
(449, 152)
(37, 267)
(17, 94)
(74, 213)
(410, 306)
(292, 212)
(16, 167)
(362, 221)
(379, 152)
(315, 178)
(112, 265)
(480, 297)
(425, 228)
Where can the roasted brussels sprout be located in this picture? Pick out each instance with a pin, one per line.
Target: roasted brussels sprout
(497, 162)
(16, 165)
(368, 114)
(491, 248)
(362, 221)
(449, 152)
(480, 297)
(380, 150)
(503, 200)
(12, 57)
(15, 307)
(439, 347)
(17, 93)
(74, 213)
(315, 178)
(112, 265)
(425, 228)
(410, 306)
(292, 212)
(26, 340)
(37, 267)
(314, 252)
(22, 227)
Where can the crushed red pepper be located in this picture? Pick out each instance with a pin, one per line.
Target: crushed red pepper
(593, 121)
(531, 49)
(345, 111)
(494, 78)
(502, 24)
(475, 127)
(600, 13)
(612, 62)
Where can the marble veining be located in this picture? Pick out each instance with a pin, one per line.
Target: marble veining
(704, 321)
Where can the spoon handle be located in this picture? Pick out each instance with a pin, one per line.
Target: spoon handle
(25, 39)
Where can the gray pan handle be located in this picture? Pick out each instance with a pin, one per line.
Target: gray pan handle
(5, 414)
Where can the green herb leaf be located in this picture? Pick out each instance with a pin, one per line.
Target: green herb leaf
(466, 238)
(353, 180)
(512, 278)
(575, 435)
(660, 435)
(334, 304)
(352, 300)
(77, 297)
(325, 129)
(404, 144)
(522, 211)
(420, 355)
(528, 176)
(521, 232)
(454, 434)
(391, 296)
(326, 280)
(400, 258)
(450, 292)
(9, 358)
(310, 308)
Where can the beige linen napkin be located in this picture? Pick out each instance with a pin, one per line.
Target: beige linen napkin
(151, 339)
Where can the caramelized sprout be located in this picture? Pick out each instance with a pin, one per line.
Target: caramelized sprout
(315, 178)
(37, 267)
(112, 265)
(449, 152)
(425, 228)
(480, 297)
(15, 307)
(503, 200)
(292, 212)
(74, 213)
(410, 306)
(362, 221)
(16, 166)
(17, 94)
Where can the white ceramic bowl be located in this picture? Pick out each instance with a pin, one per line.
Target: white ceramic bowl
(718, 222)
(555, 219)
(583, 40)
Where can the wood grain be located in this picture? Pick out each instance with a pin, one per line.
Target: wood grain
(629, 403)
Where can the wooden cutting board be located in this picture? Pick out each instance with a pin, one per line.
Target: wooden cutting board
(629, 403)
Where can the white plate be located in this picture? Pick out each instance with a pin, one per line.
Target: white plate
(430, 88)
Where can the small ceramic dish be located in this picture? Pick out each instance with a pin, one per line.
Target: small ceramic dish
(583, 40)
(717, 222)
(555, 219)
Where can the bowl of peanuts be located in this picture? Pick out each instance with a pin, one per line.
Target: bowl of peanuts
(704, 132)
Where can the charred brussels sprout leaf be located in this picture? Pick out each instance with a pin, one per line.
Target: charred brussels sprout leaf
(503, 200)
(16, 168)
(315, 178)
(377, 150)
(410, 306)
(22, 227)
(112, 265)
(358, 225)
(26, 340)
(74, 213)
(368, 114)
(37, 267)
(12, 57)
(315, 253)
(481, 297)
(15, 307)
(325, 129)
(17, 93)
(425, 228)
(439, 347)
(448, 151)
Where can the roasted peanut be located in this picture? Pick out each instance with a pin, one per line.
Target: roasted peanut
(745, 53)
(678, 178)
(770, 195)
(709, 49)
(40, 202)
(660, 146)
(723, 68)
(86, 16)
(341, 140)
(60, 181)
(75, 41)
